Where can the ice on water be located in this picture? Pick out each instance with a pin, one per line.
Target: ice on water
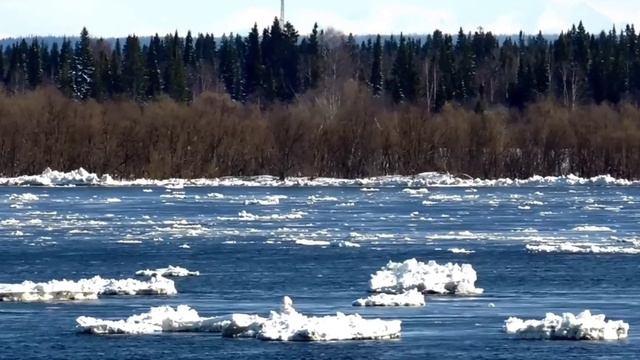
(285, 325)
(567, 326)
(412, 297)
(170, 271)
(428, 277)
(84, 289)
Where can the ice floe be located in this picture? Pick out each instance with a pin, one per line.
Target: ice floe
(82, 177)
(286, 325)
(247, 216)
(412, 297)
(428, 277)
(593, 228)
(267, 201)
(567, 326)
(157, 320)
(170, 271)
(84, 289)
(307, 242)
(581, 248)
(461, 251)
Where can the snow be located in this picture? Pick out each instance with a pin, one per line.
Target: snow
(286, 325)
(412, 297)
(430, 179)
(170, 271)
(84, 289)
(584, 326)
(452, 279)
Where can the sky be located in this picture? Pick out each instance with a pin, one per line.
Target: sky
(111, 18)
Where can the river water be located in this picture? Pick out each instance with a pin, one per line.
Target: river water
(319, 245)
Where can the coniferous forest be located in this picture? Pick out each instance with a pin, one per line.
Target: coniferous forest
(324, 104)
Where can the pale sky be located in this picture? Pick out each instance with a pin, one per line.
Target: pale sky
(109, 18)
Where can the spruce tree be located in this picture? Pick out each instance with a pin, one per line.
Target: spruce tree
(153, 71)
(133, 72)
(376, 68)
(252, 63)
(65, 75)
(34, 65)
(83, 68)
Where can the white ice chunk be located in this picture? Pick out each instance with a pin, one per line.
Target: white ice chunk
(428, 277)
(157, 320)
(286, 325)
(289, 325)
(593, 228)
(84, 289)
(584, 326)
(461, 251)
(171, 271)
(412, 297)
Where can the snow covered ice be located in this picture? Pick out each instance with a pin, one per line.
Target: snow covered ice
(157, 320)
(584, 326)
(286, 325)
(83, 177)
(170, 271)
(412, 297)
(84, 289)
(428, 277)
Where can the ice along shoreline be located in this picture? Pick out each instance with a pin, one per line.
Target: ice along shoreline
(82, 177)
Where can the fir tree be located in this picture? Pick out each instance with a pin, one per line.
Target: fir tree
(252, 63)
(83, 67)
(133, 73)
(377, 76)
(34, 64)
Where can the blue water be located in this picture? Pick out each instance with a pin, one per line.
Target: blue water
(247, 266)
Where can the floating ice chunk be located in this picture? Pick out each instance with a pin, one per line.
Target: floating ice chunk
(267, 201)
(289, 325)
(215, 196)
(157, 320)
(23, 198)
(593, 228)
(84, 289)
(584, 326)
(185, 246)
(428, 277)
(412, 297)
(581, 248)
(315, 199)
(369, 189)
(348, 244)
(461, 251)
(171, 271)
(129, 242)
(247, 216)
(113, 200)
(286, 325)
(416, 192)
(306, 242)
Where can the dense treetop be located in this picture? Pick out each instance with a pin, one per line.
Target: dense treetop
(475, 70)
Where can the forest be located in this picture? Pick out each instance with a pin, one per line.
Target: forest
(322, 104)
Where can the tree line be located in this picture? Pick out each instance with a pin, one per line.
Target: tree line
(277, 64)
(275, 102)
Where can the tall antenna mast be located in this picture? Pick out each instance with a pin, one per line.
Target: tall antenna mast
(281, 11)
